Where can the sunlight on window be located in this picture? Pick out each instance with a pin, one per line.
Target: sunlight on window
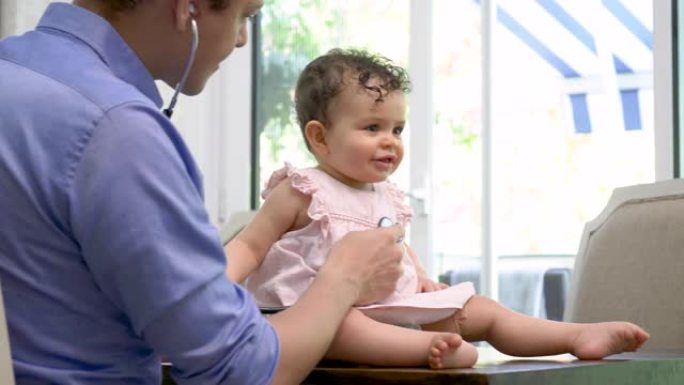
(573, 108)
(573, 119)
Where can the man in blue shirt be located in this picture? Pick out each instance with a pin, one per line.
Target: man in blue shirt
(107, 255)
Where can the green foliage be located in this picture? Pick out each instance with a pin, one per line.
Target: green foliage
(461, 136)
(291, 40)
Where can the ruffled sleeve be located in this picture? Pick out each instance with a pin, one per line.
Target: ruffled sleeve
(300, 178)
(398, 198)
(305, 181)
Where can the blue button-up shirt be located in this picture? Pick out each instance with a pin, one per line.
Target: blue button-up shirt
(107, 255)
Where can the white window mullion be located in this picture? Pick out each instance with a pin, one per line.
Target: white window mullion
(488, 273)
(421, 121)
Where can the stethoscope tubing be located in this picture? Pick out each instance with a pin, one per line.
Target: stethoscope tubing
(186, 70)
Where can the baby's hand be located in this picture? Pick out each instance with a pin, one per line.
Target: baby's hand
(425, 284)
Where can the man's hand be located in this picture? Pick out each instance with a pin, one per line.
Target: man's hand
(369, 260)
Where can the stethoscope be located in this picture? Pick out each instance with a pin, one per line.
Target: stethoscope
(186, 70)
(387, 222)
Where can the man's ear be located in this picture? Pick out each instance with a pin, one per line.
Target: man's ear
(315, 134)
(182, 13)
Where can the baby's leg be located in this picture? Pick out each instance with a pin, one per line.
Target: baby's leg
(363, 340)
(520, 335)
(449, 324)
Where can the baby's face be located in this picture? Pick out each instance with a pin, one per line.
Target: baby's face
(364, 135)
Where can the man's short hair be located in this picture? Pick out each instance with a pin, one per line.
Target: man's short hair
(123, 5)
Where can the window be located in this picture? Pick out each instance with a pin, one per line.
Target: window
(570, 118)
(570, 112)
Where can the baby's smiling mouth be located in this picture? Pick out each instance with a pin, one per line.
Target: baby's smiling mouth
(386, 161)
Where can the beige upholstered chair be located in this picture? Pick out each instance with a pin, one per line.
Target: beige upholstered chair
(6, 371)
(236, 222)
(630, 264)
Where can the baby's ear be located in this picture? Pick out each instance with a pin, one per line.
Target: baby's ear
(314, 132)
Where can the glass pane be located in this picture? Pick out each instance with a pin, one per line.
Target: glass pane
(457, 154)
(572, 119)
(573, 116)
(293, 34)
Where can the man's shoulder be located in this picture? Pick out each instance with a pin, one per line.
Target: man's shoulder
(62, 72)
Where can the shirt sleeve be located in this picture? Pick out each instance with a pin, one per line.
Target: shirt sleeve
(137, 213)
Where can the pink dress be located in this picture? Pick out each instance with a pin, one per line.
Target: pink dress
(292, 262)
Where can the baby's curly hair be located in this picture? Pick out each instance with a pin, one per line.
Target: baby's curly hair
(324, 78)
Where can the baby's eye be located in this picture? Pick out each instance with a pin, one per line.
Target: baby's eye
(398, 130)
(373, 128)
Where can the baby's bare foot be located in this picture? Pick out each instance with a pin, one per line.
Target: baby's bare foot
(450, 351)
(597, 340)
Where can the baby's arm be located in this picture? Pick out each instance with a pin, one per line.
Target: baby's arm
(284, 210)
(425, 284)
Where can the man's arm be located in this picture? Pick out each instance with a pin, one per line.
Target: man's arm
(148, 243)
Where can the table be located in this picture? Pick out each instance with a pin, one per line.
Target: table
(493, 368)
(662, 368)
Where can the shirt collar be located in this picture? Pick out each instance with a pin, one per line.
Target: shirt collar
(97, 33)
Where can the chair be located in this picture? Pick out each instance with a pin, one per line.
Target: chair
(6, 371)
(630, 264)
(237, 221)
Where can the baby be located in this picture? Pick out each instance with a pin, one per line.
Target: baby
(351, 107)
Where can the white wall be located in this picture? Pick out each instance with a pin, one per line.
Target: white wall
(18, 16)
(217, 126)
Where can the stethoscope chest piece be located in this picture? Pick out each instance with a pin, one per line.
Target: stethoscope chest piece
(385, 222)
